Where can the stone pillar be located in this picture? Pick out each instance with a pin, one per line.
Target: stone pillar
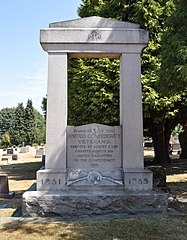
(135, 177)
(56, 111)
(131, 111)
(54, 175)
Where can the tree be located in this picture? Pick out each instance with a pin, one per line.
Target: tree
(173, 71)
(44, 106)
(7, 116)
(93, 87)
(174, 51)
(5, 139)
(40, 128)
(22, 124)
(19, 134)
(30, 123)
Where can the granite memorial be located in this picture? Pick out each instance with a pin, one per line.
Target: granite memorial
(94, 169)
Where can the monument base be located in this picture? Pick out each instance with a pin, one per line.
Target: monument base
(77, 204)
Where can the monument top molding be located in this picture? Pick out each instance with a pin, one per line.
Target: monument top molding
(93, 37)
(94, 22)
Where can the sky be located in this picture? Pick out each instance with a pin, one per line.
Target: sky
(23, 63)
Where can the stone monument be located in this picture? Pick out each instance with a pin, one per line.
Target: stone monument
(94, 169)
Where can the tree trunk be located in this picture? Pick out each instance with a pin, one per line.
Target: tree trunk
(161, 136)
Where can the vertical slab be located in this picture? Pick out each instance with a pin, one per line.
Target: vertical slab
(94, 156)
(4, 187)
(56, 111)
(94, 146)
(131, 111)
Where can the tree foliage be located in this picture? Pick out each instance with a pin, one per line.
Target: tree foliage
(5, 139)
(19, 134)
(161, 113)
(44, 106)
(93, 91)
(30, 123)
(174, 51)
(22, 124)
(7, 116)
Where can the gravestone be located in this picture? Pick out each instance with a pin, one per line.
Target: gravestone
(23, 149)
(4, 187)
(39, 152)
(10, 151)
(14, 157)
(94, 169)
(28, 148)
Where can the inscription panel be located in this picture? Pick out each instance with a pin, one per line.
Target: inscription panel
(138, 181)
(48, 180)
(94, 146)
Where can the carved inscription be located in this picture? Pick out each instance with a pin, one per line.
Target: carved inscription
(48, 181)
(94, 146)
(94, 35)
(135, 181)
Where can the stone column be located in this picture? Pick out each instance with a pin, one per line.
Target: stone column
(131, 111)
(53, 177)
(56, 111)
(135, 177)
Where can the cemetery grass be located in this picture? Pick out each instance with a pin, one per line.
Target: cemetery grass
(149, 228)
(22, 174)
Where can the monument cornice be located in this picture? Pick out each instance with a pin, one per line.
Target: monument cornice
(93, 35)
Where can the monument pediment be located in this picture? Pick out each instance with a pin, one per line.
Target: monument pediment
(110, 37)
(93, 22)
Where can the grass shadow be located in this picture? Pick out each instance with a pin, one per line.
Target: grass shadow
(21, 171)
(120, 229)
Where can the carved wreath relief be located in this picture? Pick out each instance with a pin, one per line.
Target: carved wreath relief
(94, 177)
(94, 35)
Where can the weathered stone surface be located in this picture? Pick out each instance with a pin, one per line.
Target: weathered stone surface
(81, 203)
